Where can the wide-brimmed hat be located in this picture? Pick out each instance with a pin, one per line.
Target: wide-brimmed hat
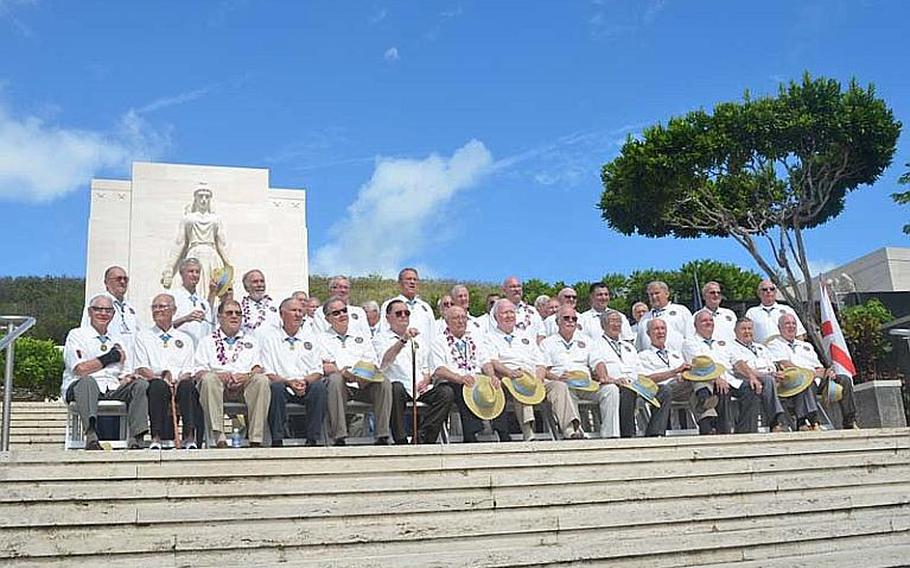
(795, 381)
(645, 388)
(704, 369)
(579, 380)
(367, 371)
(834, 392)
(484, 401)
(527, 389)
(224, 277)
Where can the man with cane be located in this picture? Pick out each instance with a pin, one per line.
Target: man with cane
(404, 359)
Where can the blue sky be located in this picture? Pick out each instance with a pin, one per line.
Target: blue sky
(462, 137)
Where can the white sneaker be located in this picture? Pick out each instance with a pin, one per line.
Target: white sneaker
(155, 446)
(189, 446)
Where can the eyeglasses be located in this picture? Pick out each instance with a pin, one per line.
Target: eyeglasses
(120, 278)
(714, 292)
(232, 313)
(767, 288)
(569, 318)
(338, 312)
(161, 306)
(98, 310)
(570, 297)
(401, 313)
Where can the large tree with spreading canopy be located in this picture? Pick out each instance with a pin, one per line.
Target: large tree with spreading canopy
(761, 171)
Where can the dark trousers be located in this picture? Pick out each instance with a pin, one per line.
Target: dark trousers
(749, 406)
(471, 425)
(187, 402)
(847, 406)
(439, 402)
(660, 417)
(315, 400)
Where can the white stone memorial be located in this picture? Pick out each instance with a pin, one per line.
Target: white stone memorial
(168, 212)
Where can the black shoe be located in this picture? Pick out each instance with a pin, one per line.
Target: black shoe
(93, 445)
(504, 436)
(310, 444)
(277, 443)
(255, 444)
(401, 442)
(706, 427)
(340, 442)
(381, 441)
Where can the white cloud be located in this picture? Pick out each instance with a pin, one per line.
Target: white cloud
(391, 54)
(40, 161)
(164, 102)
(391, 221)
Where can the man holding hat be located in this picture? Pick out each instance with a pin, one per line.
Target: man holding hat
(518, 361)
(572, 358)
(788, 351)
(402, 351)
(193, 311)
(752, 362)
(702, 351)
(347, 352)
(459, 357)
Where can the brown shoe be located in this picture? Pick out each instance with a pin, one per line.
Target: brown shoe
(93, 445)
(779, 428)
(221, 444)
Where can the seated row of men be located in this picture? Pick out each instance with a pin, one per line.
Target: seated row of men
(270, 355)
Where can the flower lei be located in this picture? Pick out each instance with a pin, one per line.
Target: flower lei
(524, 308)
(461, 359)
(220, 349)
(260, 309)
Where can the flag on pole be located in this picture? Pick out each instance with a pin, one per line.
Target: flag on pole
(833, 337)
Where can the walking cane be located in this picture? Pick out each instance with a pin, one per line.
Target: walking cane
(414, 391)
(174, 413)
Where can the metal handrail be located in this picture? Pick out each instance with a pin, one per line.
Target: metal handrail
(8, 341)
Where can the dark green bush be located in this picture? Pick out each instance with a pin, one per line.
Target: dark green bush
(37, 368)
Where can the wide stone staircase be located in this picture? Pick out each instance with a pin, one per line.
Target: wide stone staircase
(37, 424)
(784, 500)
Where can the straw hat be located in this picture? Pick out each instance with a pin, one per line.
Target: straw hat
(527, 389)
(834, 392)
(645, 388)
(484, 401)
(367, 371)
(224, 277)
(704, 369)
(795, 381)
(579, 380)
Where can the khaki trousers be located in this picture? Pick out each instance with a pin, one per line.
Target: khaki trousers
(378, 394)
(256, 393)
(607, 398)
(560, 404)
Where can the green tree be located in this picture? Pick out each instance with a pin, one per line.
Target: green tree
(903, 197)
(37, 368)
(862, 330)
(761, 171)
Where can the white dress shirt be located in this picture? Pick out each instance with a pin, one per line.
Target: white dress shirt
(716, 349)
(463, 356)
(765, 320)
(514, 351)
(188, 302)
(654, 360)
(577, 354)
(357, 321)
(222, 354)
(679, 326)
(345, 350)
(800, 353)
(291, 357)
(158, 351)
(400, 368)
(755, 355)
(594, 329)
(621, 360)
(724, 323)
(83, 344)
(259, 316)
(421, 315)
(123, 325)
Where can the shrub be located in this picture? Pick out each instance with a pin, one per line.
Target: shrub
(867, 343)
(37, 368)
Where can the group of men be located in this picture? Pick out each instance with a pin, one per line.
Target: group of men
(268, 354)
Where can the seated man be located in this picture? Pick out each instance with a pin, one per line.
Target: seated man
(569, 352)
(457, 356)
(398, 347)
(725, 386)
(511, 356)
(752, 362)
(292, 358)
(344, 347)
(94, 370)
(623, 366)
(164, 358)
(788, 351)
(229, 366)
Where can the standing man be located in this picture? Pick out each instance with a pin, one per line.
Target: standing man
(345, 347)
(528, 320)
(229, 366)
(164, 358)
(123, 324)
(513, 356)
(766, 315)
(484, 322)
(599, 293)
(421, 312)
(677, 317)
(639, 309)
(94, 370)
(458, 355)
(461, 297)
(726, 386)
(340, 288)
(402, 350)
(565, 297)
(724, 318)
(788, 351)
(259, 312)
(193, 311)
(292, 358)
(752, 362)
(570, 352)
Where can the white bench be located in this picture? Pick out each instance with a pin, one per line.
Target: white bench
(75, 436)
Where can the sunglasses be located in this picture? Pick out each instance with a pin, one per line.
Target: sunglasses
(569, 318)
(771, 289)
(401, 313)
(232, 313)
(338, 312)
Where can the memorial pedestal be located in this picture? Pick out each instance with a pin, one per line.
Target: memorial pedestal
(879, 404)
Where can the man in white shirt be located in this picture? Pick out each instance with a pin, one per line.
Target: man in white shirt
(599, 295)
(484, 321)
(340, 287)
(572, 351)
(727, 385)
(511, 355)
(766, 315)
(403, 351)
(193, 311)
(371, 309)
(789, 351)
(94, 370)
(344, 348)
(639, 309)
(528, 320)
(292, 358)
(259, 311)
(421, 312)
(677, 317)
(442, 304)
(622, 365)
(229, 366)
(724, 318)
(751, 361)
(549, 326)
(457, 356)
(164, 358)
(123, 325)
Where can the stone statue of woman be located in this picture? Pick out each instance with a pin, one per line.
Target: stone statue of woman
(200, 236)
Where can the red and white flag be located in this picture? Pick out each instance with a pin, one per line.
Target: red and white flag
(833, 337)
